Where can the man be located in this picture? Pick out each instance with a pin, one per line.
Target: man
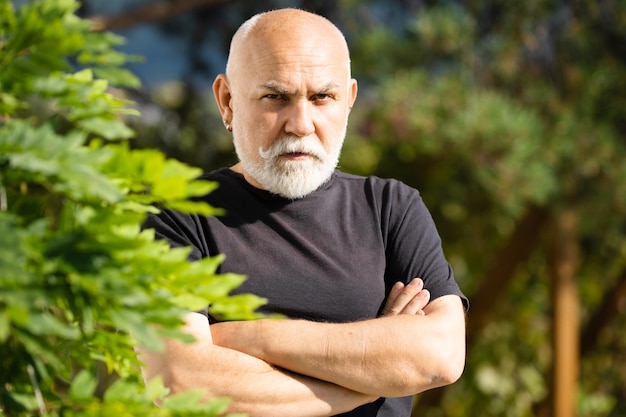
(333, 252)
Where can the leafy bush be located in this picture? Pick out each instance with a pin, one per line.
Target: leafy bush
(80, 282)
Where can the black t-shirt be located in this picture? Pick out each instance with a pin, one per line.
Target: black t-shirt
(331, 256)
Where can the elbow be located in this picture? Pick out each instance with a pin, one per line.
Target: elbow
(447, 366)
(443, 368)
(170, 377)
(452, 370)
(177, 380)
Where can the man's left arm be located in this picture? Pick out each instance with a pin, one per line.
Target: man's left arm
(395, 355)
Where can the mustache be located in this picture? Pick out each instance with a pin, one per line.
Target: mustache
(293, 144)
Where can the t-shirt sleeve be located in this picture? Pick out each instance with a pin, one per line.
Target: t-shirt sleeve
(414, 248)
(180, 230)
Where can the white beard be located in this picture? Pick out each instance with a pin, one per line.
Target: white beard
(291, 179)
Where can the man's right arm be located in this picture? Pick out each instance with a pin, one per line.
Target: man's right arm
(254, 386)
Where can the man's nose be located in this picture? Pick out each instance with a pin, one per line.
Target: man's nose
(300, 119)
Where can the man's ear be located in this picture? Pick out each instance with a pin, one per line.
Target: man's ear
(353, 89)
(223, 97)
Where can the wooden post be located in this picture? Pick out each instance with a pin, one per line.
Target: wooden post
(563, 263)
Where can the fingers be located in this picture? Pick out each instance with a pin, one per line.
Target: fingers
(406, 299)
(395, 292)
(417, 303)
(389, 309)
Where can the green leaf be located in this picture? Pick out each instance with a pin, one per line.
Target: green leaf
(39, 347)
(195, 207)
(201, 188)
(28, 402)
(237, 307)
(35, 163)
(83, 385)
(107, 128)
(122, 390)
(170, 188)
(190, 401)
(217, 285)
(191, 302)
(132, 322)
(118, 76)
(12, 251)
(187, 400)
(174, 168)
(155, 389)
(84, 180)
(47, 324)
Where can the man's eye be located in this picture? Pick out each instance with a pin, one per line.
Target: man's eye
(322, 96)
(273, 96)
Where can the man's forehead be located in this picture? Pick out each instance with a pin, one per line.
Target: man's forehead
(313, 53)
(295, 74)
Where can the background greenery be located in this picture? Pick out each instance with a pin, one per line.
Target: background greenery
(507, 116)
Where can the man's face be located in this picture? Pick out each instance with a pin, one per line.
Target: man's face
(290, 110)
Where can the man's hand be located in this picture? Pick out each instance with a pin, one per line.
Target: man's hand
(406, 299)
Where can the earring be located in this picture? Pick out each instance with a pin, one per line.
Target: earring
(229, 127)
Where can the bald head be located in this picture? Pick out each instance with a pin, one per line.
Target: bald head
(287, 83)
(285, 29)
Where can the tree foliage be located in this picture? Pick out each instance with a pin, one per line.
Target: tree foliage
(80, 282)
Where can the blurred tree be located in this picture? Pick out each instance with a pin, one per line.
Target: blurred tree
(506, 117)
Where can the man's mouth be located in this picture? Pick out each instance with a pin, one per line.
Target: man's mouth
(296, 155)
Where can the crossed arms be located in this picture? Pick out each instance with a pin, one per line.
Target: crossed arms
(320, 369)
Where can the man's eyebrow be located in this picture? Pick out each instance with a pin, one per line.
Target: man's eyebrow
(275, 88)
(330, 86)
(283, 91)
